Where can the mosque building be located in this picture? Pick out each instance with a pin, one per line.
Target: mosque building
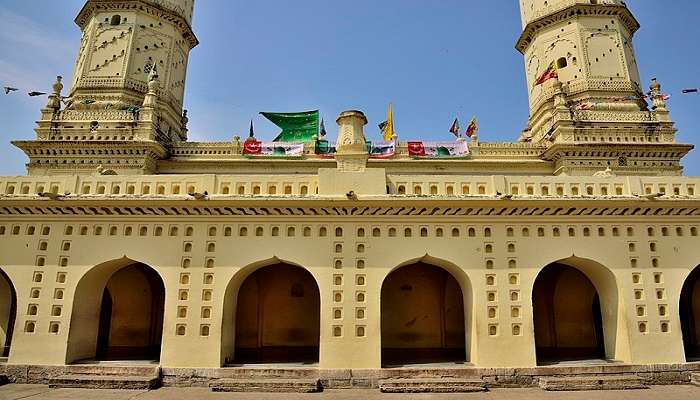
(132, 257)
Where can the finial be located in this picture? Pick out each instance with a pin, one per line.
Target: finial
(55, 97)
(658, 99)
(184, 120)
(151, 98)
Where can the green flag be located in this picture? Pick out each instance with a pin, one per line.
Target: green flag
(296, 127)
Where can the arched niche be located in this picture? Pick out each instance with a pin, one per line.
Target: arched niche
(8, 313)
(425, 314)
(575, 312)
(118, 309)
(271, 315)
(690, 316)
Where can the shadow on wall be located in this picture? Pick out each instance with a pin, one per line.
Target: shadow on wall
(422, 317)
(272, 315)
(575, 311)
(117, 313)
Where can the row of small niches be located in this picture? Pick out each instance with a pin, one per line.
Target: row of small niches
(307, 231)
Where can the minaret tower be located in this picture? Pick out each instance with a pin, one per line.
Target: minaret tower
(125, 45)
(597, 99)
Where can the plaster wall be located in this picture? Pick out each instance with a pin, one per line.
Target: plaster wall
(497, 258)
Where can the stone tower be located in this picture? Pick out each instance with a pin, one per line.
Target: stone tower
(125, 45)
(597, 99)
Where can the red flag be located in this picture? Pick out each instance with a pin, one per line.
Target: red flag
(416, 149)
(252, 147)
(549, 73)
(472, 129)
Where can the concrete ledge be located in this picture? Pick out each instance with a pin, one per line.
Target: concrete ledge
(431, 385)
(266, 385)
(592, 382)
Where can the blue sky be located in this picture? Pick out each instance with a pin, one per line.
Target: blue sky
(433, 59)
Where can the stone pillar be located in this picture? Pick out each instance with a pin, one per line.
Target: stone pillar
(352, 175)
(352, 147)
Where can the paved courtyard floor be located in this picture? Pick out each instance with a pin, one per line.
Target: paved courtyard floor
(36, 392)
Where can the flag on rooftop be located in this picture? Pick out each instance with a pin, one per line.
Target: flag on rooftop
(549, 73)
(388, 130)
(296, 127)
(323, 133)
(385, 149)
(472, 129)
(454, 129)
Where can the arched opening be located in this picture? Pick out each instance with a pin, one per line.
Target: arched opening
(117, 314)
(574, 315)
(422, 317)
(8, 313)
(277, 316)
(690, 316)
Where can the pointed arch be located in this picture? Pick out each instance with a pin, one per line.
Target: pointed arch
(118, 309)
(576, 312)
(8, 313)
(425, 313)
(253, 334)
(690, 315)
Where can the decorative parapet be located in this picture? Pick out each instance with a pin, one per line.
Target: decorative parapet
(177, 187)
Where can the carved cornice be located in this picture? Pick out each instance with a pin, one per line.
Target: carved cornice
(405, 206)
(575, 11)
(666, 151)
(93, 6)
(90, 148)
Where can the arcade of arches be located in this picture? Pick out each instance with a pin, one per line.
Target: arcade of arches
(118, 314)
(278, 317)
(690, 316)
(275, 315)
(422, 317)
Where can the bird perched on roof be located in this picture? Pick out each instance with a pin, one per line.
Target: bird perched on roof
(652, 196)
(502, 196)
(351, 196)
(49, 195)
(200, 196)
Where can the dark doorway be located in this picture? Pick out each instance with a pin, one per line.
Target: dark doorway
(131, 315)
(278, 317)
(567, 316)
(690, 316)
(8, 312)
(422, 317)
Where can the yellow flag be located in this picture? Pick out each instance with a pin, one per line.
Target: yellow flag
(389, 129)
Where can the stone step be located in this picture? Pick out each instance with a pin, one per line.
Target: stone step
(431, 385)
(107, 369)
(92, 381)
(266, 385)
(695, 379)
(592, 382)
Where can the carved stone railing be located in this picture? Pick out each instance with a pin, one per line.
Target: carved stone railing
(271, 185)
